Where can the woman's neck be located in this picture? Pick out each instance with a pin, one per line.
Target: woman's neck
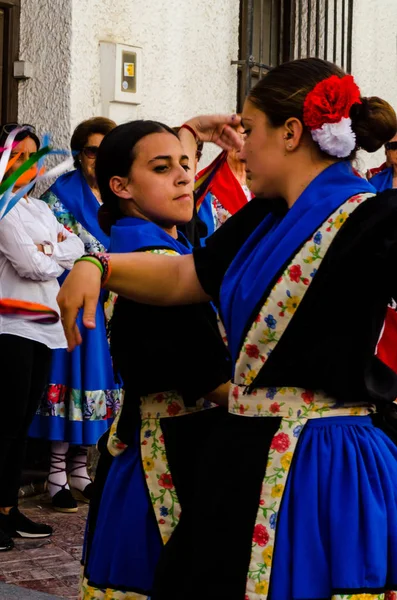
(93, 186)
(300, 177)
(238, 169)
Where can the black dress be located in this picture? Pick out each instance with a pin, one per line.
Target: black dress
(212, 544)
(159, 353)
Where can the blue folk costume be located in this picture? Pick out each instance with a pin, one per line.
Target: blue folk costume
(313, 512)
(138, 505)
(82, 399)
(383, 180)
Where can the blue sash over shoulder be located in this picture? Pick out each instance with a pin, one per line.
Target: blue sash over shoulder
(275, 241)
(76, 196)
(383, 180)
(131, 234)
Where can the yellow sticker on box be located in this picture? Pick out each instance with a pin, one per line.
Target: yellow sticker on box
(129, 69)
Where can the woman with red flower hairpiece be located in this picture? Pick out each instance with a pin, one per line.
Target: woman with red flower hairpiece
(301, 503)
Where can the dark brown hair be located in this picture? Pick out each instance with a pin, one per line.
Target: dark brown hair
(115, 157)
(80, 136)
(281, 93)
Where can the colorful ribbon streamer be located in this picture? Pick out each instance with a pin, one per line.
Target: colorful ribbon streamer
(30, 311)
(8, 199)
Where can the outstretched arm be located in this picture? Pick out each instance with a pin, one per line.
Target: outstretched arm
(146, 278)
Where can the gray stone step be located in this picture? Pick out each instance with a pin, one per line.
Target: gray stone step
(13, 592)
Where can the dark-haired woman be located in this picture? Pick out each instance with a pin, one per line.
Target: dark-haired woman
(81, 399)
(34, 251)
(298, 497)
(386, 178)
(172, 362)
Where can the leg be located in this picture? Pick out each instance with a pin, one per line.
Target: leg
(23, 371)
(16, 369)
(58, 487)
(78, 476)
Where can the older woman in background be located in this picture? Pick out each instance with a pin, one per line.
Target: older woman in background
(81, 399)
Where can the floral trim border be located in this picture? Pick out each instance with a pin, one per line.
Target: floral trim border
(158, 477)
(286, 295)
(88, 592)
(388, 595)
(295, 406)
(60, 400)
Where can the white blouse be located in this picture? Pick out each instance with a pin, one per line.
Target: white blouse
(28, 274)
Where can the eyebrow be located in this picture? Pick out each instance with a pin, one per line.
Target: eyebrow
(167, 157)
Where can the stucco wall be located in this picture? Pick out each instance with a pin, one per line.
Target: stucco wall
(374, 60)
(187, 49)
(46, 33)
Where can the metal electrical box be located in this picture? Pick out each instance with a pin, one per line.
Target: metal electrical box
(121, 73)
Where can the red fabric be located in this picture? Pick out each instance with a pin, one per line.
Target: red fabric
(376, 170)
(227, 189)
(387, 347)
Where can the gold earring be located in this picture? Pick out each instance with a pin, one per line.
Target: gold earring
(290, 146)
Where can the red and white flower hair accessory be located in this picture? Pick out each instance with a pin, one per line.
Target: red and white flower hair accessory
(326, 113)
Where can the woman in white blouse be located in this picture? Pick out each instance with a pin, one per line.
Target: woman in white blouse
(34, 251)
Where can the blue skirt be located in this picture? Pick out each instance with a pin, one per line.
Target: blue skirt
(337, 525)
(126, 545)
(82, 397)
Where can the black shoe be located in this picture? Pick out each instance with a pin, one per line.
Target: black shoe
(6, 542)
(84, 495)
(15, 524)
(64, 502)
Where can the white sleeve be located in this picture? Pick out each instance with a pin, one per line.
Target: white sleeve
(21, 251)
(66, 252)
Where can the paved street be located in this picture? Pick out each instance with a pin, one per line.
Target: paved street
(51, 565)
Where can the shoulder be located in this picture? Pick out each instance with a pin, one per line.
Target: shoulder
(40, 204)
(379, 207)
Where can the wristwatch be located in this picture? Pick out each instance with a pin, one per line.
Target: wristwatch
(47, 248)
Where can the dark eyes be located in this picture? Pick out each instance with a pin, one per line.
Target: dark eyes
(165, 168)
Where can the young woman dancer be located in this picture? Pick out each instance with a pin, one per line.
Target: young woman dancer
(172, 361)
(297, 500)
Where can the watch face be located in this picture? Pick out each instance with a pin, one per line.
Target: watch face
(47, 249)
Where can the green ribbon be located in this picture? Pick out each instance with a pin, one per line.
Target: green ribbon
(13, 178)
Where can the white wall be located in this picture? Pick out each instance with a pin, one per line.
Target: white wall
(187, 49)
(46, 33)
(374, 60)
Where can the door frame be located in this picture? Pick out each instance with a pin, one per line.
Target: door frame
(9, 104)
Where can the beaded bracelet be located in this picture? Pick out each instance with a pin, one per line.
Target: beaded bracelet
(102, 261)
(194, 134)
(91, 259)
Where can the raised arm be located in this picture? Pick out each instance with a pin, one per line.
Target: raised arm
(146, 278)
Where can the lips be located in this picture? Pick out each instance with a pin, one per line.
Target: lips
(183, 197)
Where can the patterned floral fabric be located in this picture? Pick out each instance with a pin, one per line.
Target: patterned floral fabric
(386, 596)
(88, 592)
(88, 405)
(158, 476)
(91, 244)
(284, 299)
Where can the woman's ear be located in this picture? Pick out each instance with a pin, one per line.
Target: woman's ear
(292, 133)
(118, 185)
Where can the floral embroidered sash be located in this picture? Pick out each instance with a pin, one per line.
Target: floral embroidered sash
(154, 457)
(284, 299)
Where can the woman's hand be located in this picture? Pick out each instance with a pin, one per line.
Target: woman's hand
(218, 129)
(81, 289)
(61, 237)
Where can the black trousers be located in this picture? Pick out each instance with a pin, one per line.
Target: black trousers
(24, 370)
